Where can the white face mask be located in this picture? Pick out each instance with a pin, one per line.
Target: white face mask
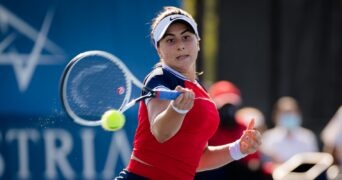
(290, 120)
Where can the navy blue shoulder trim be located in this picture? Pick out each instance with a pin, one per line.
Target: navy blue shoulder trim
(160, 77)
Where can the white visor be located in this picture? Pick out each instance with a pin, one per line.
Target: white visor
(162, 26)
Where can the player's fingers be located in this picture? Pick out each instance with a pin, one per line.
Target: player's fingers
(257, 137)
(178, 88)
(185, 100)
(188, 99)
(248, 146)
(179, 99)
(189, 95)
(181, 96)
(251, 124)
(253, 138)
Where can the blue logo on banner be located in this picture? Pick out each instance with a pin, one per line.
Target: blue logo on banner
(24, 64)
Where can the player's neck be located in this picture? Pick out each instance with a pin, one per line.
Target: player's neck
(190, 74)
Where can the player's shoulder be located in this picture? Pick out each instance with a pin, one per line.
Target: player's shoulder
(157, 72)
(160, 76)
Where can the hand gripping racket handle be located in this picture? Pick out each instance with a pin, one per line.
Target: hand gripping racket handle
(160, 94)
(167, 94)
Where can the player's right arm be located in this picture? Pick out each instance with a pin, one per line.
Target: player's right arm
(164, 120)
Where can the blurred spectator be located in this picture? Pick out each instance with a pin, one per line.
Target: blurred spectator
(332, 137)
(227, 98)
(245, 114)
(223, 92)
(287, 138)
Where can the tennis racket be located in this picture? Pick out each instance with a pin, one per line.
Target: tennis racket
(96, 81)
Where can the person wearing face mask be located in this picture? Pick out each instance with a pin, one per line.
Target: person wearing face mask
(288, 137)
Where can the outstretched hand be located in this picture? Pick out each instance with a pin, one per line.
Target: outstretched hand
(250, 139)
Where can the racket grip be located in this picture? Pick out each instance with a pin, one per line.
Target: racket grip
(167, 94)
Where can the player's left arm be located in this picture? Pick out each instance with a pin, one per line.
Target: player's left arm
(216, 156)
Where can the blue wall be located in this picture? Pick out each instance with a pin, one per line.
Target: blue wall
(37, 39)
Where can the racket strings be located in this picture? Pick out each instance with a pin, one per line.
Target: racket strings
(96, 84)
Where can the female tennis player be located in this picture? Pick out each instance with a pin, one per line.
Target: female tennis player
(171, 140)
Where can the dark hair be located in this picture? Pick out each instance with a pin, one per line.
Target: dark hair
(227, 115)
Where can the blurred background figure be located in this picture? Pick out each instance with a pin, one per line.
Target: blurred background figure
(245, 114)
(224, 92)
(227, 97)
(288, 137)
(332, 138)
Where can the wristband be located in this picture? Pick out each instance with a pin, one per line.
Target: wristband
(234, 150)
(180, 111)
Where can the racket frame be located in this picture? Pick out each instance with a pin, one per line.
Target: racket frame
(129, 79)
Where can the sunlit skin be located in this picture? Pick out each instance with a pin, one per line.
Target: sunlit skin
(179, 50)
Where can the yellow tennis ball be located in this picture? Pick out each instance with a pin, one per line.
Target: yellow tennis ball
(112, 120)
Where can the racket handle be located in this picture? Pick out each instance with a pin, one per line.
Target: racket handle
(167, 94)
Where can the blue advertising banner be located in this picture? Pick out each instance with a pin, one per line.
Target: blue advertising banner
(37, 39)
